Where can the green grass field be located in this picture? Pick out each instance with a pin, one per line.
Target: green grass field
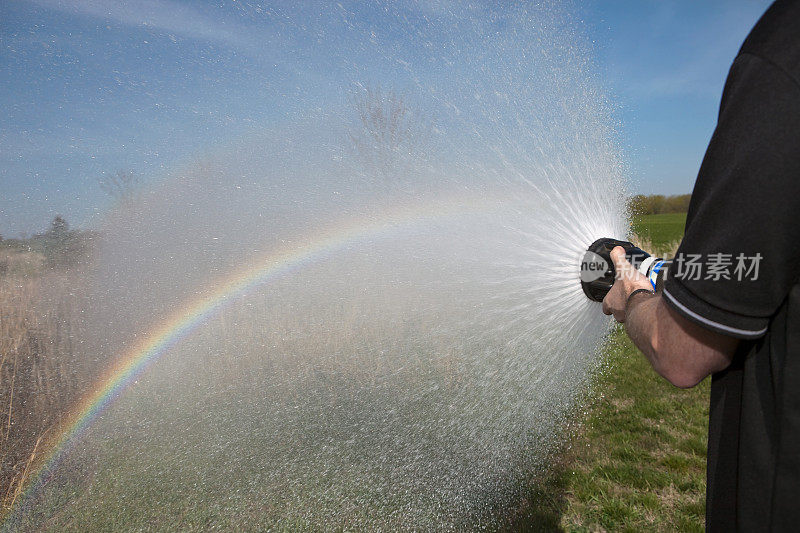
(638, 461)
(660, 230)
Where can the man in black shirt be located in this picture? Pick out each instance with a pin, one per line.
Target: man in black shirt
(740, 323)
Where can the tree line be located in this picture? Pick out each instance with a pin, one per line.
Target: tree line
(656, 204)
(61, 246)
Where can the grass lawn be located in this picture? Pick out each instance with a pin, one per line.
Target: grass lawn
(637, 463)
(660, 229)
(638, 460)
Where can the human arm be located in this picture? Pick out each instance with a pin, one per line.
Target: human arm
(744, 206)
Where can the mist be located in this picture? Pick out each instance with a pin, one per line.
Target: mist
(421, 351)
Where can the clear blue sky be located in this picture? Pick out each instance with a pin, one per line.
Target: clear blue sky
(92, 86)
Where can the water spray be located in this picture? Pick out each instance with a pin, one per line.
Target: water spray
(598, 272)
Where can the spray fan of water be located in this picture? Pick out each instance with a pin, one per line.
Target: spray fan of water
(414, 360)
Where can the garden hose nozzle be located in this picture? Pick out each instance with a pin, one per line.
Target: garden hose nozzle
(598, 272)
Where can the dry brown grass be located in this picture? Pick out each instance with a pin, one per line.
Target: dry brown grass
(667, 250)
(44, 369)
(41, 372)
(16, 263)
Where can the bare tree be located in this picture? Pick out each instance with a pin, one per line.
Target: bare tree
(119, 185)
(59, 229)
(387, 136)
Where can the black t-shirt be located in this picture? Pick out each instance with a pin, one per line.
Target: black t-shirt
(744, 225)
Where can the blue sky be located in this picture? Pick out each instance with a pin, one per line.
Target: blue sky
(94, 86)
(666, 63)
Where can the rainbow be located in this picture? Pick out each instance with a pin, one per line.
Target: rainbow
(134, 362)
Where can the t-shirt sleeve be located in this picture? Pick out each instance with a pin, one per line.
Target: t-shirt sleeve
(743, 226)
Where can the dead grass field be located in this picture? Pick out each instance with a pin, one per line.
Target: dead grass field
(41, 369)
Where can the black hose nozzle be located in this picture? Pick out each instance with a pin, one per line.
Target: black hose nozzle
(598, 272)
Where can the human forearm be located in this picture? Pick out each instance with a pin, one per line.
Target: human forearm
(680, 351)
(642, 326)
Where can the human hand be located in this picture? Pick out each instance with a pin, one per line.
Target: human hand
(628, 280)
